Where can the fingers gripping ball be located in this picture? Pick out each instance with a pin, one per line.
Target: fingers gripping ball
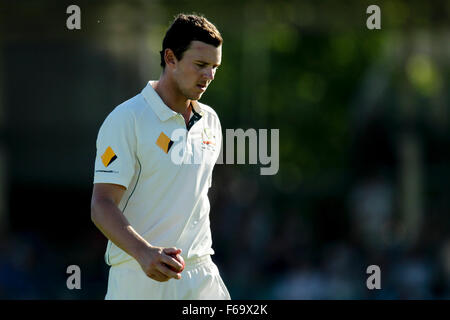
(180, 260)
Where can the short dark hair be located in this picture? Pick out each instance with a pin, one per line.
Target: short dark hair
(187, 28)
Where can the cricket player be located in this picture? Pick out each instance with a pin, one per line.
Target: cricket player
(154, 163)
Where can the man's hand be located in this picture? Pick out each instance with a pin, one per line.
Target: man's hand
(158, 263)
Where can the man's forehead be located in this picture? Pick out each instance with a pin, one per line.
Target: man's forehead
(202, 50)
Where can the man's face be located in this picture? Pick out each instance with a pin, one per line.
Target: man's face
(196, 69)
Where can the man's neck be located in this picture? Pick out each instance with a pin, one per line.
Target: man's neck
(171, 96)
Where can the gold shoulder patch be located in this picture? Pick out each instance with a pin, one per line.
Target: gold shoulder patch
(108, 156)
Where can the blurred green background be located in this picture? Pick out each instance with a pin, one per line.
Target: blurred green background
(364, 143)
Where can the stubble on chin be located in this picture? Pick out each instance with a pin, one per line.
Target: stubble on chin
(194, 96)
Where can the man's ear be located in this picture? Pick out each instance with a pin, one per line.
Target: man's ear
(169, 57)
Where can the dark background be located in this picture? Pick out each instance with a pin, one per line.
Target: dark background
(364, 143)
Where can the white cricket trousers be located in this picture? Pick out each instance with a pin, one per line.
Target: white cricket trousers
(200, 280)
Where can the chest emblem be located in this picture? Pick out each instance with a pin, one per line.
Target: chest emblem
(164, 142)
(208, 138)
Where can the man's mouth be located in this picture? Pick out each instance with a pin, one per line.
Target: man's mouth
(202, 87)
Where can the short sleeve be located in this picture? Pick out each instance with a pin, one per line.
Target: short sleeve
(218, 139)
(116, 149)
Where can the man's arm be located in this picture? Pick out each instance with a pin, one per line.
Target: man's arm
(109, 219)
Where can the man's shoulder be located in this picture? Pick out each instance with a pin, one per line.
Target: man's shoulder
(132, 107)
(208, 110)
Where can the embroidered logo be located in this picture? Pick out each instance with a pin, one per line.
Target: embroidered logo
(208, 140)
(164, 142)
(207, 137)
(108, 156)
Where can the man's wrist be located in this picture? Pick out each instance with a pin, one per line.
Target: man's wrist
(141, 249)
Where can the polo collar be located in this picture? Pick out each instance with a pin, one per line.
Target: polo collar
(159, 107)
(196, 107)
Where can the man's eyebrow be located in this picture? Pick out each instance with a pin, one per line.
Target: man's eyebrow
(204, 62)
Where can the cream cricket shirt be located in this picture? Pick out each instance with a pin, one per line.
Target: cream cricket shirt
(144, 146)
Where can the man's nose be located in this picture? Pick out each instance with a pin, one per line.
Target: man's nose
(209, 73)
